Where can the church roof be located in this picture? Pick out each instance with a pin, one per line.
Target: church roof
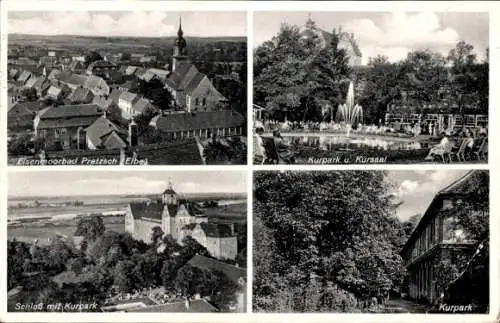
(169, 191)
(177, 76)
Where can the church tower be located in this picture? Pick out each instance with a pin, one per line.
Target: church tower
(170, 197)
(179, 47)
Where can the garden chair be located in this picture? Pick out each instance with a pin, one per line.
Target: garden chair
(482, 150)
(460, 153)
(443, 152)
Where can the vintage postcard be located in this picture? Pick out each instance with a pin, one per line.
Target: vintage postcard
(126, 88)
(370, 87)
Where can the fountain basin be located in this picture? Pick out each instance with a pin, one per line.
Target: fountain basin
(353, 142)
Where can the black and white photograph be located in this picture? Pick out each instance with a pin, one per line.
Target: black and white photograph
(370, 87)
(147, 241)
(126, 88)
(371, 241)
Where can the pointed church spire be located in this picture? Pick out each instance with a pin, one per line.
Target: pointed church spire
(180, 32)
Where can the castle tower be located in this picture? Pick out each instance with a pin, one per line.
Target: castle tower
(179, 47)
(169, 196)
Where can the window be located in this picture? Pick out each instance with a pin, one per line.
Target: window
(204, 101)
(196, 101)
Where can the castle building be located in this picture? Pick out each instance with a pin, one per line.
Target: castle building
(180, 218)
(311, 32)
(191, 89)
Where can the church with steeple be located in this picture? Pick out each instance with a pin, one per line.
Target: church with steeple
(192, 90)
(180, 218)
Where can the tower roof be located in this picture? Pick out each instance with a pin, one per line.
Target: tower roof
(169, 189)
(180, 41)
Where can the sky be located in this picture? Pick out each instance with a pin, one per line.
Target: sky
(65, 183)
(416, 189)
(391, 34)
(127, 23)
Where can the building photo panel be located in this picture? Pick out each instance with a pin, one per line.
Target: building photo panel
(126, 88)
(371, 241)
(159, 241)
(370, 87)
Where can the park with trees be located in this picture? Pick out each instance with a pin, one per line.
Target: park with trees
(331, 242)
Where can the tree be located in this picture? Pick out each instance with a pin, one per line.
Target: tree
(411, 223)
(221, 290)
(156, 234)
(155, 91)
(123, 277)
(292, 72)
(58, 255)
(17, 255)
(90, 227)
(30, 94)
(168, 274)
(189, 281)
(91, 57)
(100, 247)
(423, 73)
(336, 227)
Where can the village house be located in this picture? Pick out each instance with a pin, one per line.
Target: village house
(41, 86)
(103, 102)
(80, 95)
(97, 85)
(178, 125)
(63, 126)
(104, 134)
(180, 218)
(436, 238)
(101, 68)
(125, 103)
(72, 80)
(132, 105)
(24, 76)
(20, 115)
(58, 92)
(77, 66)
(13, 74)
(191, 89)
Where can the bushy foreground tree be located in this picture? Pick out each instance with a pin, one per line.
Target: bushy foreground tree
(337, 230)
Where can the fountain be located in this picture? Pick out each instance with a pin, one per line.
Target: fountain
(349, 113)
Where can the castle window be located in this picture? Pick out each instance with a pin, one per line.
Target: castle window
(204, 101)
(196, 101)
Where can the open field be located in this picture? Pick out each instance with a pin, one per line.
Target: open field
(72, 41)
(42, 229)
